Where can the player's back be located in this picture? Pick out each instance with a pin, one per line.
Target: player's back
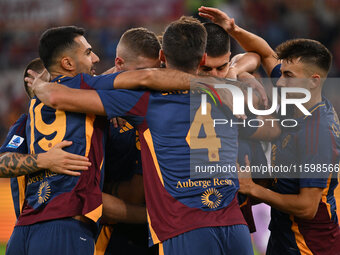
(52, 196)
(174, 124)
(180, 149)
(184, 149)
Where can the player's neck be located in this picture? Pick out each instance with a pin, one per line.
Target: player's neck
(315, 99)
(194, 71)
(54, 74)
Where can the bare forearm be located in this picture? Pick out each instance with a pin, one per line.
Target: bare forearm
(116, 210)
(289, 203)
(16, 164)
(253, 43)
(155, 79)
(247, 62)
(64, 98)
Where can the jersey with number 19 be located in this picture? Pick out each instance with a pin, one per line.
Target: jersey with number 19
(174, 136)
(54, 196)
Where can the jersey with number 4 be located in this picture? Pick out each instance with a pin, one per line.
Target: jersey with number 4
(175, 138)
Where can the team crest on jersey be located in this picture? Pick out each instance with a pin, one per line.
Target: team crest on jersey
(44, 192)
(15, 142)
(211, 198)
(286, 141)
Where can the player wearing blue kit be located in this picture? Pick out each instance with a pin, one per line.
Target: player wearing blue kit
(56, 197)
(217, 64)
(309, 223)
(202, 207)
(16, 162)
(304, 219)
(80, 58)
(138, 48)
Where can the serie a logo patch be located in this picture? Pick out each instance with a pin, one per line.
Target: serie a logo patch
(15, 142)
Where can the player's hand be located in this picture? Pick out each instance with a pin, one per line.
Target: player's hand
(256, 85)
(35, 79)
(244, 177)
(118, 122)
(218, 17)
(61, 162)
(232, 73)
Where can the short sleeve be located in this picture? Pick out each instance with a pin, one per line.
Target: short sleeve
(16, 138)
(275, 74)
(127, 103)
(101, 82)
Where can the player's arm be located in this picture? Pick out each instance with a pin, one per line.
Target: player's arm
(245, 62)
(64, 98)
(303, 205)
(270, 129)
(152, 78)
(15, 164)
(116, 210)
(131, 191)
(248, 41)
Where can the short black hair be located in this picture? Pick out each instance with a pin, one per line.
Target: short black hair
(37, 66)
(309, 51)
(55, 40)
(184, 43)
(141, 42)
(218, 42)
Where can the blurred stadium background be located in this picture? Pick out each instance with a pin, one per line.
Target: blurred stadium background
(22, 21)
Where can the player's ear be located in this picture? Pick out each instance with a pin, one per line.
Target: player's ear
(316, 81)
(204, 58)
(67, 63)
(119, 63)
(161, 55)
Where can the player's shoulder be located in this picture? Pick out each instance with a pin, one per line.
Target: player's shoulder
(72, 82)
(321, 124)
(16, 137)
(19, 126)
(321, 115)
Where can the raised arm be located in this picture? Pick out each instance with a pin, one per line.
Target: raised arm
(15, 164)
(248, 41)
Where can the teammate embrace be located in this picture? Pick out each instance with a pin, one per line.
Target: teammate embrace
(174, 134)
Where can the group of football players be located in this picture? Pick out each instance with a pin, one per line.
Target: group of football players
(85, 181)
